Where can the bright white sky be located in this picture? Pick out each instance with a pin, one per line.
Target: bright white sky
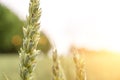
(90, 23)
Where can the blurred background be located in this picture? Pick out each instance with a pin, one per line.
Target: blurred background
(90, 26)
(11, 33)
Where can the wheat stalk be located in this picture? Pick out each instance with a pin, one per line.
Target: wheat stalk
(79, 65)
(28, 51)
(56, 68)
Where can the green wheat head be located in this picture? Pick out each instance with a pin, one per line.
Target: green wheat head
(56, 68)
(28, 51)
(79, 65)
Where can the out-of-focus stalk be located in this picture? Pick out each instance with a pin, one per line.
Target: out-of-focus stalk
(79, 65)
(56, 68)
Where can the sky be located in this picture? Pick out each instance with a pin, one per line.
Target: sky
(94, 24)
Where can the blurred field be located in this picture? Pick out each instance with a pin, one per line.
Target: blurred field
(98, 67)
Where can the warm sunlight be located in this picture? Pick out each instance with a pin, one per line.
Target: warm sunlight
(64, 40)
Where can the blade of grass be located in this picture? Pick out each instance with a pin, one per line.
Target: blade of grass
(5, 76)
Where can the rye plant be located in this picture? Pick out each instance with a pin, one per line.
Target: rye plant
(31, 35)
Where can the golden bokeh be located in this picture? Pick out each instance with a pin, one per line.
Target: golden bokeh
(42, 40)
(16, 40)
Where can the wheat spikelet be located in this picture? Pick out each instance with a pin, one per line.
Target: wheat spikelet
(31, 37)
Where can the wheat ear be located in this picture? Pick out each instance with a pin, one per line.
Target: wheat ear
(79, 65)
(56, 68)
(28, 51)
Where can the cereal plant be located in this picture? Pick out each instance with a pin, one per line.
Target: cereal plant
(79, 65)
(56, 68)
(28, 52)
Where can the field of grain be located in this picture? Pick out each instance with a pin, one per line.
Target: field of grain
(98, 67)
